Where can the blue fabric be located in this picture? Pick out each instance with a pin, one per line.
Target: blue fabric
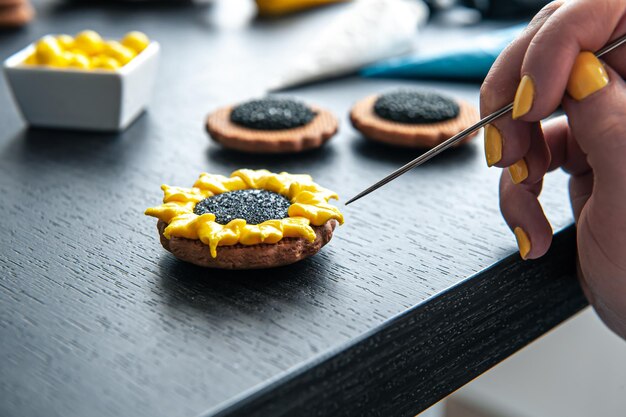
(471, 62)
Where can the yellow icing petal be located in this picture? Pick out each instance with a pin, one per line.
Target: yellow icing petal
(234, 184)
(214, 234)
(267, 232)
(298, 187)
(308, 197)
(298, 227)
(218, 184)
(184, 194)
(168, 211)
(318, 215)
(251, 235)
(253, 179)
(185, 226)
(291, 178)
(275, 184)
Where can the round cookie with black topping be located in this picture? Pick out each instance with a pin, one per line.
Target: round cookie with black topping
(250, 220)
(412, 118)
(271, 125)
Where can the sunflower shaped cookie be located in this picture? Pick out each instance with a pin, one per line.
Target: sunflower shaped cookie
(252, 219)
(412, 118)
(271, 125)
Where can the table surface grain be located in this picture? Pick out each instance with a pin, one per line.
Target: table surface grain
(96, 319)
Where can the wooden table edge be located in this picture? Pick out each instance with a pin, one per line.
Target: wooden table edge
(424, 354)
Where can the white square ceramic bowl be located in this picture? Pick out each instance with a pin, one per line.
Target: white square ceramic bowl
(79, 99)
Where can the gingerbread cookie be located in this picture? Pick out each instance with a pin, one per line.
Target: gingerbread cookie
(250, 220)
(412, 118)
(271, 125)
(15, 13)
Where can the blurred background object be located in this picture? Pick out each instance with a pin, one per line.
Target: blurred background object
(494, 8)
(469, 61)
(380, 38)
(15, 13)
(366, 31)
(282, 7)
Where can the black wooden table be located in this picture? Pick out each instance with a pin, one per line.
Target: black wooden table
(419, 292)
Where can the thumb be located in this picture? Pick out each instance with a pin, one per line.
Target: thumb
(596, 109)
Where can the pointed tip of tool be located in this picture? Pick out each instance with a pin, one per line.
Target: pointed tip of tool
(363, 193)
(353, 199)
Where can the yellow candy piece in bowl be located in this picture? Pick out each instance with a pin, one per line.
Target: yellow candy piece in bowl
(79, 61)
(65, 41)
(104, 62)
(135, 40)
(62, 60)
(31, 59)
(47, 50)
(78, 51)
(89, 41)
(119, 52)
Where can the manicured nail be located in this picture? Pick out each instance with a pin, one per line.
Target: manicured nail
(519, 171)
(493, 145)
(523, 243)
(524, 97)
(588, 76)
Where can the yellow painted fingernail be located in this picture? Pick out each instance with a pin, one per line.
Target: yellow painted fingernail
(588, 76)
(493, 145)
(519, 171)
(523, 243)
(524, 97)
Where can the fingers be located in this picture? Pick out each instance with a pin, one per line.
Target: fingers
(564, 150)
(519, 202)
(550, 52)
(567, 154)
(546, 52)
(582, 25)
(531, 168)
(580, 189)
(506, 141)
(615, 59)
(522, 212)
(597, 122)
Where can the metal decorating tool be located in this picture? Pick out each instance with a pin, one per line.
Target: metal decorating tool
(460, 136)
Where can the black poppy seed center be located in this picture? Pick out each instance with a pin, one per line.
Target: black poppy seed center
(254, 206)
(416, 107)
(272, 114)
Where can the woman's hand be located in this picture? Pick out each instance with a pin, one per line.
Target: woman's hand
(543, 69)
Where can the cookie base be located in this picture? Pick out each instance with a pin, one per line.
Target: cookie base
(310, 136)
(427, 135)
(261, 256)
